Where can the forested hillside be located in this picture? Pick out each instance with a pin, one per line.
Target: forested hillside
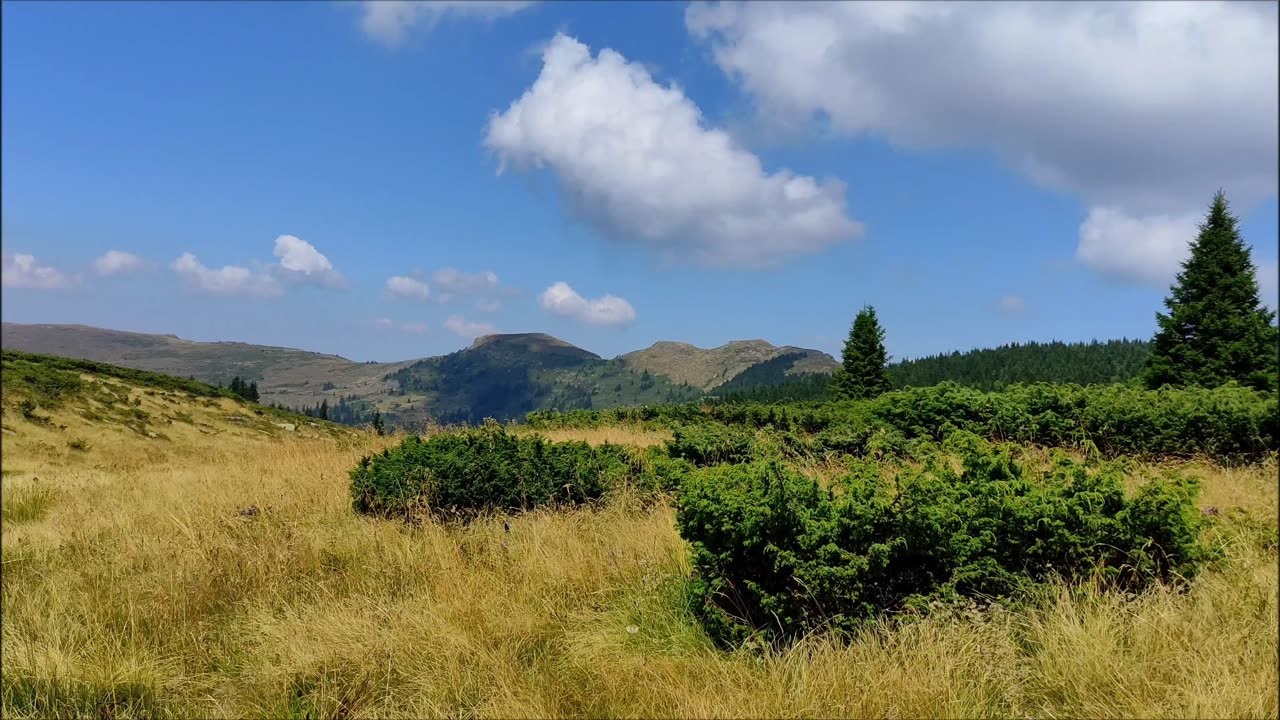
(1090, 363)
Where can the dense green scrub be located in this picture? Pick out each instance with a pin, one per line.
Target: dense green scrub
(1228, 424)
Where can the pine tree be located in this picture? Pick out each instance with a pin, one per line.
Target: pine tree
(324, 410)
(862, 373)
(237, 386)
(1217, 329)
(378, 427)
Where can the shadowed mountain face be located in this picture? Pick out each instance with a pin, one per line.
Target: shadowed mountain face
(500, 376)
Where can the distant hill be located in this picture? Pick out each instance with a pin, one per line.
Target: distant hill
(709, 369)
(507, 376)
(500, 376)
(49, 395)
(284, 375)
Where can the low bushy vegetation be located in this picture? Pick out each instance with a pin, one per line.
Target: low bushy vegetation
(471, 471)
(1228, 423)
(777, 555)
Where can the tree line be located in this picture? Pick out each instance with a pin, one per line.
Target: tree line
(1215, 331)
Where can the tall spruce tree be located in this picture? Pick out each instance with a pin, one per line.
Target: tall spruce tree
(862, 372)
(1217, 329)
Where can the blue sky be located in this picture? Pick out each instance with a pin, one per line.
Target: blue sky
(981, 174)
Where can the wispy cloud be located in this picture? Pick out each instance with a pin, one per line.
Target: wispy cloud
(414, 328)
(116, 262)
(467, 329)
(408, 288)
(1011, 305)
(390, 21)
(227, 280)
(22, 271)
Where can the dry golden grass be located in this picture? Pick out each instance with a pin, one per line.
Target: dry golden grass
(132, 586)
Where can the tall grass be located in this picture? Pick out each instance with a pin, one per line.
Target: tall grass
(148, 587)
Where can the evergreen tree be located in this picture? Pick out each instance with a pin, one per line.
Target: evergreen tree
(251, 392)
(862, 373)
(378, 427)
(324, 410)
(1217, 329)
(237, 386)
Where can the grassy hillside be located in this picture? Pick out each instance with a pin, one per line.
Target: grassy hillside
(507, 376)
(221, 572)
(284, 375)
(65, 402)
(708, 369)
(500, 376)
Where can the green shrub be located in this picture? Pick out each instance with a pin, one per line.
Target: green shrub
(711, 444)
(776, 555)
(472, 471)
(1229, 423)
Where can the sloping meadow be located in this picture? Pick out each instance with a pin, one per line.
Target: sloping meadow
(922, 499)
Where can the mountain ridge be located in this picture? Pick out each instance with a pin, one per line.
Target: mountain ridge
(501, 375)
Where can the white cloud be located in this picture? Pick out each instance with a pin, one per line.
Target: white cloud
(115, 262)
(451, 281)
(21, 271)
(408, 288)
(300, 260)
(383, 323)
(636, 161)
(389, 21)
(1011, 305)
(489, 306)
(1141, 109)
(229, 280)
(464, 328)
(414, 328)
(1146, 251)
(560, 299)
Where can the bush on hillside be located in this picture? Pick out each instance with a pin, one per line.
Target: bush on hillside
(1229, 423)
(776, 555)
(472, 471)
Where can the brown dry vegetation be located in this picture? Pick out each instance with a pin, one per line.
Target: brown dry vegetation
(133, 584)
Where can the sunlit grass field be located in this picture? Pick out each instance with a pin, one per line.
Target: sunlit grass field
(219, 571)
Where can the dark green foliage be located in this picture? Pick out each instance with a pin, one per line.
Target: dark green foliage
(1091, 363)
(1217, 330)
(862, 373)
(378, 427)
(776, 555)
(471, 471)
(247, 391)
(1228, 424)
(711, 444)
